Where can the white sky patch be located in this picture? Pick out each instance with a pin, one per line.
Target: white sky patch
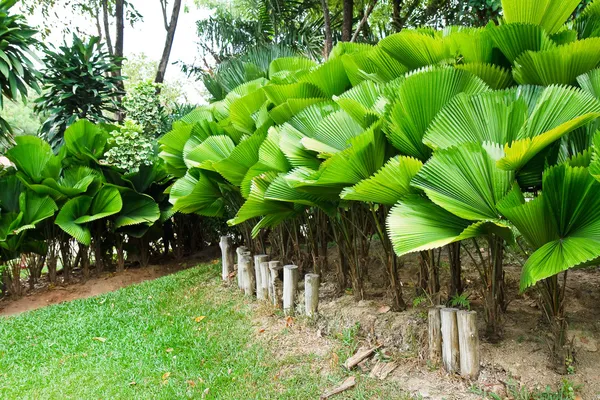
(146, 36)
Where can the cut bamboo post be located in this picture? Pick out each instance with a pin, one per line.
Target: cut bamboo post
(435, 335)
(290, 286)
(264, 279)
(258, 259)
(240, 276)
(226, 257)
(275, 283)
(247, 272)
(450, 349)
(311, 294)
(468, 339)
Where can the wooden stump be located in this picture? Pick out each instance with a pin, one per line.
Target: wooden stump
(258, 259)
(226, 257)
(275, 283)
(240, 276)
(311, 294)
(450, 349)
(264, 279)
(435, 335)
(247, 272)
(290, 286)
(468, 339)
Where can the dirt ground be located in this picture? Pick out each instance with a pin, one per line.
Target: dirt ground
(46, 294)
(521, 357)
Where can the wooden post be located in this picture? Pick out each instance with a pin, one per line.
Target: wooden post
(226, 257)
(435, 335)
(290, 286)
(450, 352)
(275, 283)
(240, 276)
(311, 294)
(468, 339)
(247, 272)
(264, 279)
(258, 259)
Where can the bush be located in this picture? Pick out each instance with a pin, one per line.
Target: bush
(129, 148)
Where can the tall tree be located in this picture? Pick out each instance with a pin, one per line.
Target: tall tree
(327, 28)
(170, 28)
(348, 15)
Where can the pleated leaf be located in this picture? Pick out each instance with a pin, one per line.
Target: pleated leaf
(516, 38)
(558, 66)
(69, 213)
(330, 77)
(172, 147)
(106, 202)
(137, 209)
(33, 157)
(414, 49)
(210, 151)
(244, 155)
(494, 76)
(84, 138)
(563, 225)
(35, 209)
(590, 81)
(558, 111)
(388, 185)
(550, 14)
(197, 194)
(417, 224)
(279, 94)
(419, 98)
(465, 181)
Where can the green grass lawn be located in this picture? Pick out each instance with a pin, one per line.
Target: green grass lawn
(146, 342)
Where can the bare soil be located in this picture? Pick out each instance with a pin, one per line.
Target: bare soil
(46, 294)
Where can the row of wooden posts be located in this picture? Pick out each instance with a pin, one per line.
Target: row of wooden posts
(261, 277)
(454, 340)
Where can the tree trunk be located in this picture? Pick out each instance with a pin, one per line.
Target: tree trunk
(84, 252)
(162, 67)
(396, 7)
(327, 26)
(455, 269)
(363, 20)
(119, 50)
(348, 14)
(552, 302)
(106, 27)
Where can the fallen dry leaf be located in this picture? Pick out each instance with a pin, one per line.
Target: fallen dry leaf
(205, 392)
(383, 309)
(99, 339)
(132, 383)
(166, 376)
(200, 318)
(289, 321)
(191, 383)
(170, 349)
(261, 330)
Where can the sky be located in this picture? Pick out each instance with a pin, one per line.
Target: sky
(146, 36)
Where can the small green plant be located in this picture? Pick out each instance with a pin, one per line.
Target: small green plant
(130, 149)
(147, 107)
(417, 301)
(460, 301)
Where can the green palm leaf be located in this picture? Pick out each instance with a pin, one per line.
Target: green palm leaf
(388, 185)
(590, 81)
(550, 14)
(494, 76)
(558, 66)
(417, 224)
(563, 224)
(365, 103)
(33, 157)
(415, 49)
(244, 155)
(559, 110)
(517, 38)
(465, 181)
(196, 193)
(420, 97)
(106, 202)
(172, 147)
(279, 94)
(210, 151)
(137, 209)
(35, 209)
(69, 213)
(330, 77)
(87, 139)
